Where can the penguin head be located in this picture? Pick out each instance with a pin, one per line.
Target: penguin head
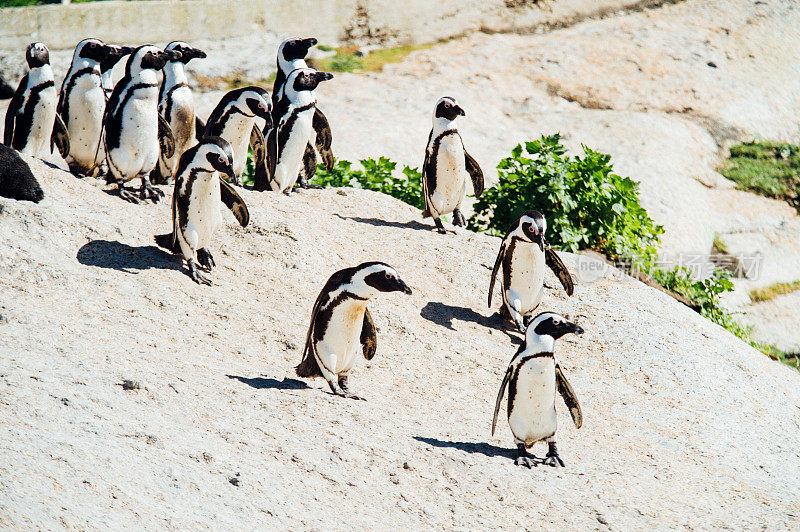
(187, 53)
(252, 101)
(371, 278)
(218, 152)
(113, 55)
(293, 49)
(447, 107)
(37, 55)
(306, 79)
(148, 57)
(550, 324)
(92, 50)
(531, 228)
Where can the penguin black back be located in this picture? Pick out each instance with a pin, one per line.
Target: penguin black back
(16, 179)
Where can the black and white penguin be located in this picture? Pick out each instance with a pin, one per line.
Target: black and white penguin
(532, 377)
(32, 124)
(176, 105)
(196, 214)
(341, 324)
(524, 253)
(447, 163)
(234, 119)
(82, 103)
(135, 134)
(107, 67)
(291, 56)
(16, 179)
(295, 124)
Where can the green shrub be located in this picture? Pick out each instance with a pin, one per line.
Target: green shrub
(586, 204)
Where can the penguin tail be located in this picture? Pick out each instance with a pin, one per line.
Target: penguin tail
(308, 367)
(166, 241)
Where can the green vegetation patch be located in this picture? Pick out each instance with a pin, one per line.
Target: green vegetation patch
(348, 59)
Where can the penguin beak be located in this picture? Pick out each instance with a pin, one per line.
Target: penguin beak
(573, 328)
(308, 43)
(197, 53)
(460, 111)
(229, 172)
(322, 76)
(404, 287)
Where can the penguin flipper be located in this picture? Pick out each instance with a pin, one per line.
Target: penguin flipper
(309, 163)
(257, 144)
(500, 255)
(369, 336)
(502, 391)
(11, 112)
(324, 139)
(60, 137)
(570, 399)
(264, 172)
(234, 202)
(199, 128)
(475, 172)
(554, 263)
(165, 137)
(428, 177)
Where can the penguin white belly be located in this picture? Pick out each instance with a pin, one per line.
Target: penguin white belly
(181, 122)
(138, 149)
(343, 336)
(451, 183)
(237, 133)
(527, 278)
(291, 157)
(87, 103)
(533, 413)
(44, 115)
(204, 216)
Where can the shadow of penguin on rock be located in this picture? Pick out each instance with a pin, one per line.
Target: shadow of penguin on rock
(266, 383)
(485, 449)
(16, 179)
(118, 256)
(444, 314)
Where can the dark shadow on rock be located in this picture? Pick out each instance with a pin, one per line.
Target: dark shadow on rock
(485, 449)
(386, 223)
(262, 383)
(443, 314)
(118, 256)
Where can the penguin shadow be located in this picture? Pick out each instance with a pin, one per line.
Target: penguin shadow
(262, 383)
(486, 449)
(444, 314)
(386, 223)
(118, 256)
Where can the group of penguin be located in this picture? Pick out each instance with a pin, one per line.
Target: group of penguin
(140, 128)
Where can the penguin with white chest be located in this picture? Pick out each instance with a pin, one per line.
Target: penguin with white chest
(341, 324)
(176, 105)
(532, 377)
(234, 119)
(447, 163)
(82, 103)
(196, 213)
(525, 254)
(32, 123)
(135, 133)
(294, 125)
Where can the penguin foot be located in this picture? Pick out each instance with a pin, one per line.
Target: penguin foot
(458, 219)
(342, 390)
(194, 273)
(128, 195)
(553, 460)
(148, 191)
(205, 259)
(524, 458)
(440, 226)
(308, 185)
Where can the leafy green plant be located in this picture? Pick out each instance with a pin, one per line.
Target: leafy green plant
(586, 204)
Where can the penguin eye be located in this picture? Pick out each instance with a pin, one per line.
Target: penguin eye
(448, 105)
(221, 159)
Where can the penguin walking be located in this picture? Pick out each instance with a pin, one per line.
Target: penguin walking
(295, 121)
(446, 166)
(196, 214)
(532, 377)
(524, 252)
(135, 134)
(32, 124)
(234, 119)
(176, 105)
(341, 323)
(82, 103)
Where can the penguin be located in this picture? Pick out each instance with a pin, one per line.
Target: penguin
(524, 252)
(16, 179)
(532, 377)
(291, 56)
(176, 105)
(295, 121)
(107, 67)
(196, 214)
(341, 323)
(446, 164)
(234, 119)
(32, 125)
(82, 103)
(135, 134)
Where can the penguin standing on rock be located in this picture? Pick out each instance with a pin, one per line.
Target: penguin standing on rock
(196, 215)
(234, 119)
(32, 124)
(446, 166)
(532, 377)
(295, 122)
(82, 103)
(135, 134)
(176, 105)
(341, 323)
(524, 253)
